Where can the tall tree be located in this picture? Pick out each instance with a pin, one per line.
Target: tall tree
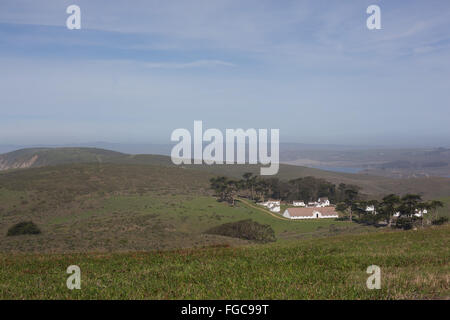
(225, 188)
(250, 181)
(409, 204)
(350, 198)
(342, 207)
(232, 188)
(422, 207)
(219, 185)
(360, 208)
(434, 206)
(389, 206)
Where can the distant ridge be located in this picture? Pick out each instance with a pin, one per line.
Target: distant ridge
(371, 185)
(41, 157)
(165, 149)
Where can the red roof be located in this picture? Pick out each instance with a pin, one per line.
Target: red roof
(309, 212)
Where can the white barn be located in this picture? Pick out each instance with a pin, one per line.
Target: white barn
(310, 213)
(371, 209)
(323, 202)
(299, 203)
(272, 205)
(275, 209)
(419, 213)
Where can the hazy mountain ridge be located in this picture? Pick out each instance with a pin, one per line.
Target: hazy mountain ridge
(370, 184)
(399, 162)
(39, 157)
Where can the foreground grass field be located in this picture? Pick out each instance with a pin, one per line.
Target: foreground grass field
(414, 265)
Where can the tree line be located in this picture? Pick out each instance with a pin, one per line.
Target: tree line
(347, 198)
(386, 209)
(260, 189)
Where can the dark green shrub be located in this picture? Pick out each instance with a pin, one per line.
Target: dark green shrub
(406, 223)
(26, 227)
(369, 219)
(440, 221)
(245, 229)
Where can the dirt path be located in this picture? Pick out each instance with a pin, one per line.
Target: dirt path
(254, 206)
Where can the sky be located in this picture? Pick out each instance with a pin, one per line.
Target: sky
(137, 70)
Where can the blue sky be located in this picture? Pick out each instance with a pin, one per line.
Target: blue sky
(137, 70)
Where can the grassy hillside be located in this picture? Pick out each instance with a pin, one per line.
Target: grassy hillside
(373, 186)
(41, 157)
(431, 187)
(445, 211)
(38, 157)
(139, 231)
(110, 207)
(414, 265)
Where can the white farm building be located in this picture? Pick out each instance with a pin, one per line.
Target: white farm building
(310, 213)
(272, 205)
(299, 203)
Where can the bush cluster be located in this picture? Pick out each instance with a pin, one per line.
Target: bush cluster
(245, 229)
(406, 223)
(25, 227)
(440, 221)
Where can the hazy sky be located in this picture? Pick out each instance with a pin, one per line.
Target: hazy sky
(137, 70)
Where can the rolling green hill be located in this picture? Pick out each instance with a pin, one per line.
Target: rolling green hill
(87, 199)
(137, 226)
(39, 157)
(114, 207)
(123, 207)
(432, 187)
(373, 186)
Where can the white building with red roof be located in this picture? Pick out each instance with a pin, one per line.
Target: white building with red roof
(310, 213)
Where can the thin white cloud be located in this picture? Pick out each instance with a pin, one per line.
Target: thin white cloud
(193, 64)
